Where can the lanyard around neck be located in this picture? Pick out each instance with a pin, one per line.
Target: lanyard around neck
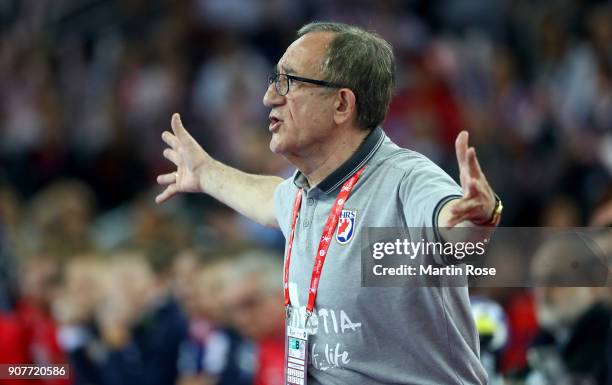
(326, 237)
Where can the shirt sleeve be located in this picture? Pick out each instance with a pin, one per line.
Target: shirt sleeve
(424, 191)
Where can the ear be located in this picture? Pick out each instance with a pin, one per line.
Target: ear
(345, 106)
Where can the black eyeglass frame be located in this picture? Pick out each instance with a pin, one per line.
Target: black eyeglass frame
(273, 78)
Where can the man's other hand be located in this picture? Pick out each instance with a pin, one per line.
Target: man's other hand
(478, 201)
(188, 157)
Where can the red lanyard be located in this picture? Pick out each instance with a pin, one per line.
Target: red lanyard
(326, 237)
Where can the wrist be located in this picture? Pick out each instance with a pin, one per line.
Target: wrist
(495, 216)
(206, 179)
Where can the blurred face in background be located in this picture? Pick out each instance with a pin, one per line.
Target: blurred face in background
(208, 293)
(132, 286)
(62, 213)
(184, 274)
(254, 311)
(85, 284)
(304, 116)
(41, 281)
(558, 262)
(560, 307)
(88, 279)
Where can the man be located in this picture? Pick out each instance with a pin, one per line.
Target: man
(331, 92)
(255, 308)
(213, 353)
(573, 344)
(137, 329)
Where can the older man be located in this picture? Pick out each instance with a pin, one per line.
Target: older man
(327, 99)
(255, 308)
(573, 310)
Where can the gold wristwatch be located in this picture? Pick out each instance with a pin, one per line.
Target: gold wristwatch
(497, 212)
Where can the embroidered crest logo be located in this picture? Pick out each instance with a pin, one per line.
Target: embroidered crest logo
(346, 226)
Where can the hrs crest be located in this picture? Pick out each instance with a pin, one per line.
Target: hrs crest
(346, 226)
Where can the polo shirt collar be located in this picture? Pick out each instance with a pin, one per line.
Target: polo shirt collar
(360, 157)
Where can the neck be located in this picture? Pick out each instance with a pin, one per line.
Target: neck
(324, 158)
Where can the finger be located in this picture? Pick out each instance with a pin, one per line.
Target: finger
(167, 178)
(468, 214)
(455, 220)
(461, 146)
(170, 140)
(172, 156)
(178, 128)
(168, 193)
(472, 190)
(475, 171)
(462, 206)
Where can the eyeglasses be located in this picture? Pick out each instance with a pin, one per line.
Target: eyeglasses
(282, 82)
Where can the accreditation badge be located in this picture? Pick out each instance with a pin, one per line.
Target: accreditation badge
(296, 355)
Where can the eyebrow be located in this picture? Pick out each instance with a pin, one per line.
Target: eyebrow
(286, 70)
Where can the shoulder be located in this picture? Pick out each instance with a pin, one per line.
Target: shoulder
(404, 160)
(419, 178)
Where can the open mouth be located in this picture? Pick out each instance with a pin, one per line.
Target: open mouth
(274, 123)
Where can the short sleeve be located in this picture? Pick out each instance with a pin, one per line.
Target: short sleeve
(424, 191)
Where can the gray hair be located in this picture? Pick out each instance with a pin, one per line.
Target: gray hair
(361, 61)
(264, 265)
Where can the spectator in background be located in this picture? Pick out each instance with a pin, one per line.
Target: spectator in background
(184, 272)
(27, 289)
(11, 242)
(139, 327)
(62, 215)
(86, 282)
(160, 233)
(10, 329)
(576, 322)
(213, 353)
(254, 300)
(40, 282)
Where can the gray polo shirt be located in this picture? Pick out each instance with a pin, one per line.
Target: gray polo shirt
(390, 335)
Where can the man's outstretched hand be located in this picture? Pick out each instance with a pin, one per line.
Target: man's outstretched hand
(478, 201)
(188, 157)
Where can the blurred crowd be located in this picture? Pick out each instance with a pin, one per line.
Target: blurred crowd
(94, 274)
(197, 317)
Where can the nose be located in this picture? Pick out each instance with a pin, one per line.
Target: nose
(271, 98)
